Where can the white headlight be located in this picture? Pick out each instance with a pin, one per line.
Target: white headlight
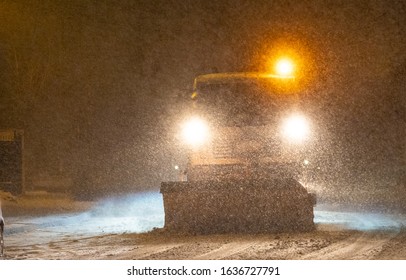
(195, 131)
(296, 128)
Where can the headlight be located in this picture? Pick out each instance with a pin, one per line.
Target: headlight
(295, 128)
(195, 132)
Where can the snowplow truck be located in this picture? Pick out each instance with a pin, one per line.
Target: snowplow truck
(247, 137)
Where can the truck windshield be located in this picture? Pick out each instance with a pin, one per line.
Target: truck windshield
(240, 103)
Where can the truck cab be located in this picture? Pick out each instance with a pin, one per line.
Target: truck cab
(246, 125)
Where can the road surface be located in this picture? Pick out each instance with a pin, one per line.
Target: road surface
(109, 231)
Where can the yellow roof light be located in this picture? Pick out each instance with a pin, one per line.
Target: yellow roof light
(284, 67)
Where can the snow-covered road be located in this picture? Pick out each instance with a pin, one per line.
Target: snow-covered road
(339, 234)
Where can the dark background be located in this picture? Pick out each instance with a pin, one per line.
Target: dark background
(97, 86)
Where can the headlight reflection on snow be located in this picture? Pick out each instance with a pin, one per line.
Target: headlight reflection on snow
(363, 221)
(131, 213)
(134, 213)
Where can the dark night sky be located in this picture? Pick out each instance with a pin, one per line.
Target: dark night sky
(96, 85)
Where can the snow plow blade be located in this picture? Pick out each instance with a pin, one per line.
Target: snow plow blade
(204, 207)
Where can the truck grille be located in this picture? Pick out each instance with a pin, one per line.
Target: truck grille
(223, 149)
(240, 148)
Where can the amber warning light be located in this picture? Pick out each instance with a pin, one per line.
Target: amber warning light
(284, 67)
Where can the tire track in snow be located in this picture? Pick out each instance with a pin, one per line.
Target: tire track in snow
(360, 245)
(226, 250)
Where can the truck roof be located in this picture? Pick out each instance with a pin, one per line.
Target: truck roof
(227, 77)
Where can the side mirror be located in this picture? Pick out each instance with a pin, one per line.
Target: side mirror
(1, 234)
